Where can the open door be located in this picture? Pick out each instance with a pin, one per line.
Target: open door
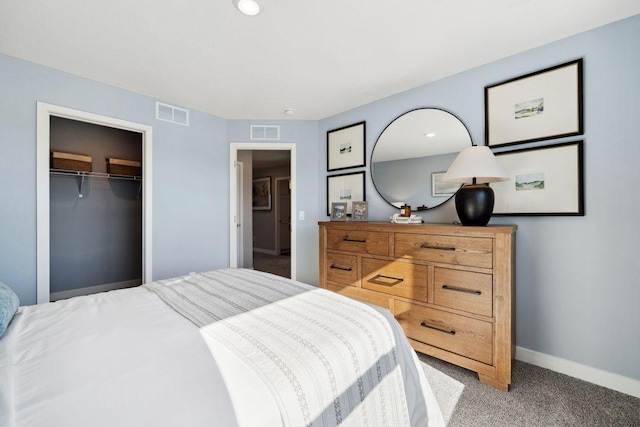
(283, 227)
(236, 219)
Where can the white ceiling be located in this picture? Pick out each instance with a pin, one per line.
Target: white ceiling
(317, 57)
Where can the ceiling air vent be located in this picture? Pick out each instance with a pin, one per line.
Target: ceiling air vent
(169, 113)
(265, 132)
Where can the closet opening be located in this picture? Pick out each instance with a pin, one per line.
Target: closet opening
(82, 241)
(95, 190)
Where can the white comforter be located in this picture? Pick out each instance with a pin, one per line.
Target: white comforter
(124, 358)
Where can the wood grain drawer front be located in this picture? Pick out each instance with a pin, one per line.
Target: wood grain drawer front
(366, 242)
(395, 278)
(471, 251)
(464, 290)
(362, 295)
(342, 269)
(467, 337)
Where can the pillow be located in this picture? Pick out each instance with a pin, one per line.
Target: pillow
(9, 303)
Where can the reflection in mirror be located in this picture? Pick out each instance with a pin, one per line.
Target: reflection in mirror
(412, 152)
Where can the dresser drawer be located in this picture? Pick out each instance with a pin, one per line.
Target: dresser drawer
(363, 295)
(467, 337)
(471, 251)
(342, 269)
(395, 278)
(366, 242)
(464, 290)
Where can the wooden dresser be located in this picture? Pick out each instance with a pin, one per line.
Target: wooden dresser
(449, 286)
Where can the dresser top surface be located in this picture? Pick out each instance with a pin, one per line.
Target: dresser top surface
(456, 229)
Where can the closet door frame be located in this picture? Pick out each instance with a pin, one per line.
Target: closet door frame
(44, 113)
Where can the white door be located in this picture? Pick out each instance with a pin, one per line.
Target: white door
(284, 216)
(239, 206)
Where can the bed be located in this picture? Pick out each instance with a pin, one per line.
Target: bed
(229, 347)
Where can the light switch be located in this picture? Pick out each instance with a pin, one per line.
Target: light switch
(300, 215)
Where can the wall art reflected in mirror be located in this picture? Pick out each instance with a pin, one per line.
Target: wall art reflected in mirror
(411, 151)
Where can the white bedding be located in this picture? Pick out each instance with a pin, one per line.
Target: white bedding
(124, 358)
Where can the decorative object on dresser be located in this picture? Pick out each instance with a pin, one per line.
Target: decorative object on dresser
(542, 105)
(338, 211)
(346, 147)
(360, 211)
(475, 167)
(450, 287)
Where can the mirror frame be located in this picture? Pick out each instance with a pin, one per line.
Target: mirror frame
(413, 208)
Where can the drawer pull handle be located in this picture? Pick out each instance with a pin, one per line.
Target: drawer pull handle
(463, 290)
(446, 331)
(376, 280)
(335, 267)
(436, 248)
(346, 239)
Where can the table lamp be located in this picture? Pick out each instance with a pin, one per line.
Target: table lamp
(474, 167)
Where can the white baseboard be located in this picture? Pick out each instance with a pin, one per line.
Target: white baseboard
(55, 296)
(602, 378)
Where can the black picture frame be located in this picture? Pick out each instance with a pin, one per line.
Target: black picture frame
(261, 194)
(544, 181)
(346, 187)
(538, 106)
(346, 147)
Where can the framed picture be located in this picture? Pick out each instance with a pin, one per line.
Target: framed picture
(345, 188)
(440, 188)
(545, 180)
(538, 106)
(346, 147)
(360, 211)
(338, 211)
(262, 194)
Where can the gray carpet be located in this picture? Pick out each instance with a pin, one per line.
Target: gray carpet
(537, 397)
(274, 264)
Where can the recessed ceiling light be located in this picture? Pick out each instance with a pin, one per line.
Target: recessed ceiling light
(429, 135)
(248, 7)
(289, 111)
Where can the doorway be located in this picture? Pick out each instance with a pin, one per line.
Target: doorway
(43, 147)
(240, 218)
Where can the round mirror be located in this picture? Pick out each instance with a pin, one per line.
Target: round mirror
(411, 155)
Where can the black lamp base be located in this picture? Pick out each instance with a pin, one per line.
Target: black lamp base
(474, 204)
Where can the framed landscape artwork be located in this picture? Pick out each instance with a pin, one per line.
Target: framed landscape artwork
(543, 181)
(538, 106)
(346, 147)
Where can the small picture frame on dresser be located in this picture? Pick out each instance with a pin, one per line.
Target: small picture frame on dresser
(338, 211)
(360, 211)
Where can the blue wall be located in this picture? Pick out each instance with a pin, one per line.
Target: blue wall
(578, 288)
(190, 173)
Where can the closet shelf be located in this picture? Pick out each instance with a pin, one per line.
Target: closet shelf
(103, 175)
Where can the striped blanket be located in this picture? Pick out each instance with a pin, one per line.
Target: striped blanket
(326, 359)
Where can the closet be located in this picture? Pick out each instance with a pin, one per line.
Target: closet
(96, 228)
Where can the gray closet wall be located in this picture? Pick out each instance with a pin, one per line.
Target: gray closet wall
(95, 239)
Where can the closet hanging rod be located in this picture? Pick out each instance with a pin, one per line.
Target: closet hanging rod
(95, 175)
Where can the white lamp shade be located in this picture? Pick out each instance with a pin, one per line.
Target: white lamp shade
(475, 162)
